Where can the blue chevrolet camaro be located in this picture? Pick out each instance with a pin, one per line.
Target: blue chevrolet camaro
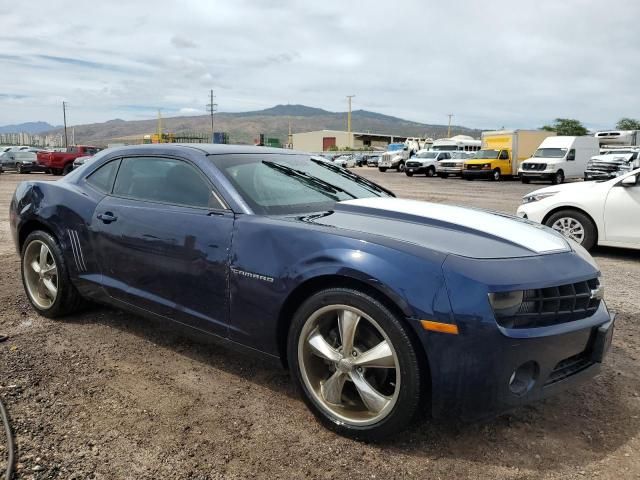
(382, 308)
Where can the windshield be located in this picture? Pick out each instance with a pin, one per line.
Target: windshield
(274, 184)
(395, 147)
(459, 155)
(550, 153)
(445, 148)
(427, 155)
(487, 154)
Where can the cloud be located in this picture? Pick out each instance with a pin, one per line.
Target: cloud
(489, 64)
(181, 42)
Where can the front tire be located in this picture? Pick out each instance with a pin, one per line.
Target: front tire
(45, 277)
(558, 178)
(574, 225)
(430, 172)
(496, 176)
(408, 174)
(355, 364)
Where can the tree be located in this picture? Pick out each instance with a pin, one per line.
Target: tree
(567, 126)
(628, 124)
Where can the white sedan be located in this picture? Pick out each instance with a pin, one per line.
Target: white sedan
(345, 161)
(590, 213)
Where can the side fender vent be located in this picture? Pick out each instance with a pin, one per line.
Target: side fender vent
(76, 247)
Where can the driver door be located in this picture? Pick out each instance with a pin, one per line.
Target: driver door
(621, 212)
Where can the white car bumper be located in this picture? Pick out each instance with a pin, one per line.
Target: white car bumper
(534, 211)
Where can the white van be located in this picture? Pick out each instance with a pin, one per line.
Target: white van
(559, 158)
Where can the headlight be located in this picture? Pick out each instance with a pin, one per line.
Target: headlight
(506, 304)
(534, 197)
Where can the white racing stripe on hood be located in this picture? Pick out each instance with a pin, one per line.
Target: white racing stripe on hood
(515, 231)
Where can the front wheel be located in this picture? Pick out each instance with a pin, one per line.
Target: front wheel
(496, 175)
(430, 172)
(382, 169)
(574, 225)
(558, 178)
(408, 174)
(355, 364)
(45, 277)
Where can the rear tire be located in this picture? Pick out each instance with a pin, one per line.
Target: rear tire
(400, 167)
(41, 248)
(574, 225)
(333, 388)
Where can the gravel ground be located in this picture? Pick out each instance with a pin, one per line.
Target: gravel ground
(106, 394)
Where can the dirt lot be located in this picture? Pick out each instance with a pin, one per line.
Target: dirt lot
(109, 395)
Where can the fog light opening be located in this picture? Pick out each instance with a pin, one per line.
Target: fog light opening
(523, 378)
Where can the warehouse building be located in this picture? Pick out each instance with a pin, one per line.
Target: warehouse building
(323, 140)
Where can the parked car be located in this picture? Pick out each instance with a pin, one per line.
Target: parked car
(78, 162)
(612, 164)
(453, 165)
(61, 163)
(559, 158)
(590, 213)
(311, 264)
(425, 162)
(373, 160)
(345, 161)
(360, 159)
(22, 161)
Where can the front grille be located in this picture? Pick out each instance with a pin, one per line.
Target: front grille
(605, 167)
(542, 307)
(414, 164)
(534, 166)
(449, 164)
(386, 156)
(473, 167)
(569, 366)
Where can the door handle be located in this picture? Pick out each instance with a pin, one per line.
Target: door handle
(107, 217)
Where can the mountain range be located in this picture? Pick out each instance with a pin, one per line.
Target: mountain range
(29, 127)
(245, 127)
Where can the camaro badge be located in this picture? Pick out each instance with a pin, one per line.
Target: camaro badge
(597, 293)
(255, 276)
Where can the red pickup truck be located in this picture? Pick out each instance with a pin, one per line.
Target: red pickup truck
(61, 163)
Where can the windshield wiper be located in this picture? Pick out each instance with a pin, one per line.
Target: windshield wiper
(309, 180)
(352, 176)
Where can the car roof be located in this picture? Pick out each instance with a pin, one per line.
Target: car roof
(210, 148)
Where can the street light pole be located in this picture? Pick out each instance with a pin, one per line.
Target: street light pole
(449, 129)
(64, 115)
(212, 107)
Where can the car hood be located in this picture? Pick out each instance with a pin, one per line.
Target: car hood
(570, 188)
(448, 229)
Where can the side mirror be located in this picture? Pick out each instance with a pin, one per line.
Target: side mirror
(630, 181)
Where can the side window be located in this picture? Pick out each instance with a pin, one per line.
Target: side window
(571, 155)
(102, 178)
(504, 155)
(164, 180)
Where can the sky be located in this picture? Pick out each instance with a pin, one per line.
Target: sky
(492, 64)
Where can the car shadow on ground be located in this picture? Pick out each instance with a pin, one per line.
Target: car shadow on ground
(577, 427)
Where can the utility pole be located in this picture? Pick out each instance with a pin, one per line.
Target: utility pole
(449, 129)
(64, 115)
(212, 108)
(349, 97)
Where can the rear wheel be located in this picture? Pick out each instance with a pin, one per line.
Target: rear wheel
(355, 364)
(19, 168)
(56, 171)
(45, 276)
(574, 225)
(400, 167)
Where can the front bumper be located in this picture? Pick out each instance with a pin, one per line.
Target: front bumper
(536, 175)
(415, 170)
(477, 173)
(472, 373)
(599, 175)
(450, 170)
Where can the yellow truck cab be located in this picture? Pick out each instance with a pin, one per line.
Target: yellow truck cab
(502, 152)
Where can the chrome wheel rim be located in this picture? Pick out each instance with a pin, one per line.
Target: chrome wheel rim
(496, 175)
(570, 228)
(40, 274)
(349, 365)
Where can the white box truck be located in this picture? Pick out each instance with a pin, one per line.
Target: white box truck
(559, 158)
